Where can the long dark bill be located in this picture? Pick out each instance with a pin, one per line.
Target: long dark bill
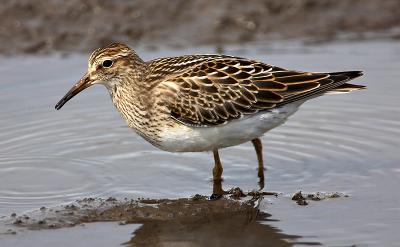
(83, 83)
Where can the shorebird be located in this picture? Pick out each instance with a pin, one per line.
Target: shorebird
(197, 103)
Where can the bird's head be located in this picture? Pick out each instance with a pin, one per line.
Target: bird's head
(107, 66)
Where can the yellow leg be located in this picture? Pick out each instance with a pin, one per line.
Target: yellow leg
(217, 176)
(258, 147)
(217, 170)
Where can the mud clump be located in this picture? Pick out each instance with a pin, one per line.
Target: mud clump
(301, 198)
(236, 193)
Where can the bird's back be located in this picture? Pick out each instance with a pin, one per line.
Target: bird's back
(210, 90)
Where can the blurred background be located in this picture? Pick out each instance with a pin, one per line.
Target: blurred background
(44, 26)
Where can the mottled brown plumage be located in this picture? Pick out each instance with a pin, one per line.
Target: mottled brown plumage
(203, 102)
(214, 89)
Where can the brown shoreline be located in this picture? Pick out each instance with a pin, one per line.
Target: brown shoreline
(45, 26)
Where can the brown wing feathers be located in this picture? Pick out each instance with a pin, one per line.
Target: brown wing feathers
(220, 89)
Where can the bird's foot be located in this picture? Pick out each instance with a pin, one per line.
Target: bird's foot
(218, 192)
(264, 193)
(215, 196)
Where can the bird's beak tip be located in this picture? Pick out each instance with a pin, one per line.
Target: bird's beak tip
(78, 87)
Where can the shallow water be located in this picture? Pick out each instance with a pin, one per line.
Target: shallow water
(347, 143)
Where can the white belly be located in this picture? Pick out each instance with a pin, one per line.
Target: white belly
(197, 139)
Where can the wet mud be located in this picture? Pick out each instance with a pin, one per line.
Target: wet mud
(135, 211)
(303, 199)
(232, 220)
(126, 211)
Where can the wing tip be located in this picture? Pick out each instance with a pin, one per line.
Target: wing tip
(350, 74)
(347, 88)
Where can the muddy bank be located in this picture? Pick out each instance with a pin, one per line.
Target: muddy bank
(196, 221)
(126, 211)
(135, 211)
(44, 26)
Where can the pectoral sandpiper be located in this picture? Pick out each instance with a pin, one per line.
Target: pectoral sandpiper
(198, 103)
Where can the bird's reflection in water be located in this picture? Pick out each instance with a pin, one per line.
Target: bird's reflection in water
(223, 229)
(216, 228)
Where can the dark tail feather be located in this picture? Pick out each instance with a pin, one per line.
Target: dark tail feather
(347, 87)
(350, 74)
(336, 83)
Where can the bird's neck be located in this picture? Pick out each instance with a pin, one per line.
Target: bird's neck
(136, 103)
(131, 103)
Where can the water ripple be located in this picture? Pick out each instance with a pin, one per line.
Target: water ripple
(32, 180)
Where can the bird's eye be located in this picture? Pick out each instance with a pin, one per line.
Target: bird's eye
(107, 63)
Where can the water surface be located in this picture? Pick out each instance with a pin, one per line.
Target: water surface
(346, 143)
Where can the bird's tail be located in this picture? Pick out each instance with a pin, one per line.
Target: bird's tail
(335, 83)
(346, 87)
